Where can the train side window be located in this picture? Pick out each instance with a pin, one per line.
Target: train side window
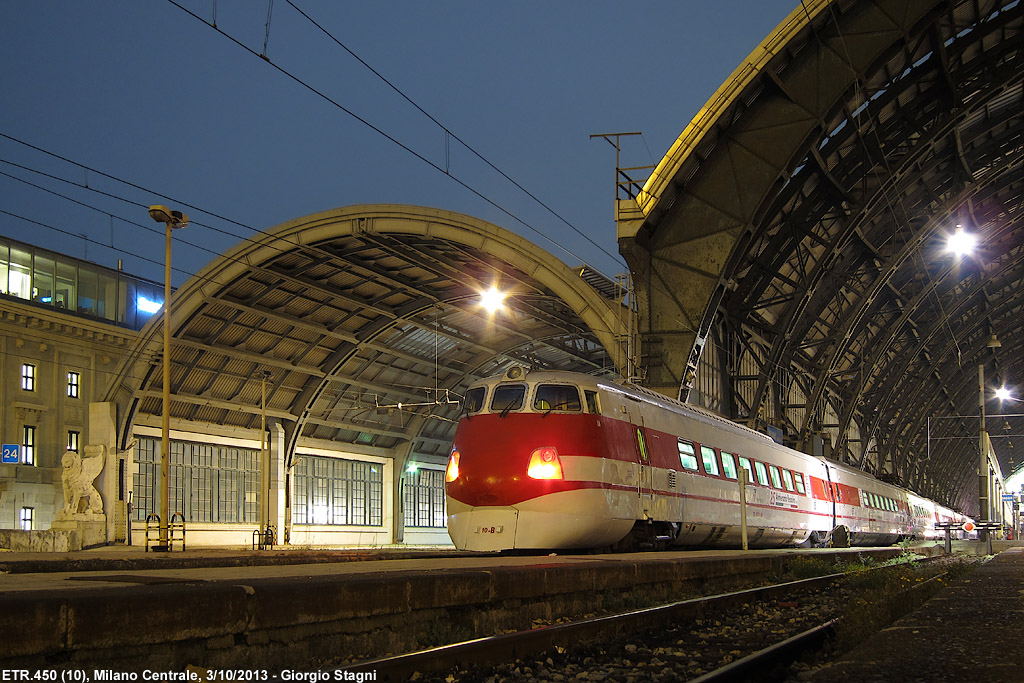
(762, 473)
(561, 397)
(729, 465)
(707, 455)
(776, 477)
(798, 479)
(867, 499)
(686, 455)
(745, 464)
(591, 397)
(508, 397)
(474, 401)
(787, 480)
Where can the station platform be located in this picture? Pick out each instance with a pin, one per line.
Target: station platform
(210, 608)
(969, 632)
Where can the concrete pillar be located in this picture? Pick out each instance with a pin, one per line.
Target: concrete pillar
(401, 461)
(103, 432)
(278, 481)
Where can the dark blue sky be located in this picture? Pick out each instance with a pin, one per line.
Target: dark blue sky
(140, 90)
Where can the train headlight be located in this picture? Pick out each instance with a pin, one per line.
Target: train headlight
(452, 473)
(544, 464)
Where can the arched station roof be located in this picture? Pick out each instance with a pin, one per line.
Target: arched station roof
(353, 311)
(800, 222)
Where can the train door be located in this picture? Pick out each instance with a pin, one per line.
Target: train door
(645, 473)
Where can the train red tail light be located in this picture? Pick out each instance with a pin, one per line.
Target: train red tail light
(452, 473)
(544, 464)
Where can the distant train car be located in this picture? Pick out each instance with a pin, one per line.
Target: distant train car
(556, 460)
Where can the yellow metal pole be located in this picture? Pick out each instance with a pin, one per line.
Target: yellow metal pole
(165, 428)
(264, 465)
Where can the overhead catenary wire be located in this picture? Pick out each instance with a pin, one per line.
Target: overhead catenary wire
(380, 131)
(154, 230)
(297, 245)
(449, 134)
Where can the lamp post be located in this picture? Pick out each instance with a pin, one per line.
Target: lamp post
(172, 220)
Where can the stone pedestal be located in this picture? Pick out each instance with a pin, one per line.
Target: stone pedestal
(91, 528)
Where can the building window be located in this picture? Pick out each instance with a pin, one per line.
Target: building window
(424, 499)
(28, 445)
(338, 492)
(28, 377)
(74, 384)
(208, 482)
(73, 441)
(26, 519)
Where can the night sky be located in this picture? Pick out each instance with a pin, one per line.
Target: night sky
(147, 104)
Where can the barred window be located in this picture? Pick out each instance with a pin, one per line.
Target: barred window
(424, 499)
(338, 492)
(200, 473)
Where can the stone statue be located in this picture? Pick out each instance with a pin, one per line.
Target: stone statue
(77, 477)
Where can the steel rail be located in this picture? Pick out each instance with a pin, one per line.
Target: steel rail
(493, 650)
(511, 646)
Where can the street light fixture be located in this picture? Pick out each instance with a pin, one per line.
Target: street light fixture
(493, 300)
(961, 242)
(172, 220)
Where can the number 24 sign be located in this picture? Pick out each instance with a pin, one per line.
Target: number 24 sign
(10, 454)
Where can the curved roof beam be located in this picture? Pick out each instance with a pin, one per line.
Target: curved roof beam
(362, 306)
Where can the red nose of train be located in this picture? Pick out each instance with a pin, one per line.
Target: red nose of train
(503, 461)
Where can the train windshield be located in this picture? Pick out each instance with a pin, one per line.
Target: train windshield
(474, 401)
(508, 397)
(562, 397)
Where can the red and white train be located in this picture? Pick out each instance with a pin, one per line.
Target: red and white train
(559, 460)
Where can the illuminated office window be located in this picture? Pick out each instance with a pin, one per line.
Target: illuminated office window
(28, 377)
(74, 384)
(28, 445)
(73, 441)
(26, 519)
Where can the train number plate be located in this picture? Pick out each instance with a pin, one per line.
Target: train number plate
(489, 529)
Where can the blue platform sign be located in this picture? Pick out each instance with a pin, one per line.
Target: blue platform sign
(11, 456)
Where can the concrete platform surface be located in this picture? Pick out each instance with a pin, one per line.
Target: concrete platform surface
(969, 632)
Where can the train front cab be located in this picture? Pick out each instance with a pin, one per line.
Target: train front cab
(528, 468)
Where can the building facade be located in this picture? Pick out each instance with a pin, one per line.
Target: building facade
(65, 327)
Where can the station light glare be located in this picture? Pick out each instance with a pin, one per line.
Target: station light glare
(492, 300)
(961, 242)
(1003, 394)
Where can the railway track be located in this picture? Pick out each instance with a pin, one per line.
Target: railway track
(715, 638)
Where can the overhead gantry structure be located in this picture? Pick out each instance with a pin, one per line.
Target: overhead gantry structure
(793, 238)
(365, 325)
